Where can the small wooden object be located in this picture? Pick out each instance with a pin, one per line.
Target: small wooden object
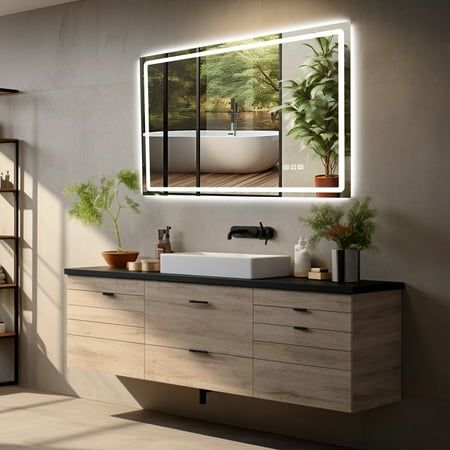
(150, 265)
(319, 269)
(319, 275)
(134, 266)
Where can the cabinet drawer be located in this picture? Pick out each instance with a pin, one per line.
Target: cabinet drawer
(112, 316)
(106, 331)
(335, 340)
(113, 285)
(304, 385)
(204, 317)
(204, 371)
(296, 354)
(226, 297)
(310, 318)
(310, 300)
(99, 300)
(103, 355)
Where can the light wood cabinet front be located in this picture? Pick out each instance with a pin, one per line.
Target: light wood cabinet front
(107, 300)
(304, 385)
(210, 371)
(334, 340)
(103, 355)
(308, 300)
(216, 319)
(322, 350)
(310, 356)
(310, 318)
(106, 285)
(105, 325)
(106, 331)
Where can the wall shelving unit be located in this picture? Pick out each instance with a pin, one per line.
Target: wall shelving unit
(14, 284)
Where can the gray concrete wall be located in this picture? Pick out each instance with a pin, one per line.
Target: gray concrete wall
(79, 117)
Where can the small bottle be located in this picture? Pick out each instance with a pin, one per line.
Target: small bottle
(163, 245)
(302, 259)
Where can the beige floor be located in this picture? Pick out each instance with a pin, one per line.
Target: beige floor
(37, 420)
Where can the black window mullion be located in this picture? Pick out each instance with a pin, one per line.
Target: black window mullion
(166, 126)
(197, 124)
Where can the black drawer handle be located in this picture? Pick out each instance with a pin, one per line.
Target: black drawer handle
(108, 294)
(301, 328)
(199, 302)
(300, 309)
(194, 350)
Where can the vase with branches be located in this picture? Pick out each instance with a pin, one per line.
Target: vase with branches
(351, 230)
(94, 202)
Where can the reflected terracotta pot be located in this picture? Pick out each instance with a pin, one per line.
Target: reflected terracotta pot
(322, 181)
(119, 260)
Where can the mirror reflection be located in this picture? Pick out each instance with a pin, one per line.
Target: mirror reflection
(263, 116)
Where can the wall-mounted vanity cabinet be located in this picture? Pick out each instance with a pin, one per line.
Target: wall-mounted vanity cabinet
(315, 344)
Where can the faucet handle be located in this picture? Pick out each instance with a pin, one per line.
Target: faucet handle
(266, 233)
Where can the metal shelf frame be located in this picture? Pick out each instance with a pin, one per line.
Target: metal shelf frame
(15, 242)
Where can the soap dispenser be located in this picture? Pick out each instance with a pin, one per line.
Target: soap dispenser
(163, 245)
(302, 259)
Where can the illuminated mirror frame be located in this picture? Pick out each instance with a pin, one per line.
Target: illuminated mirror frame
(303, 35)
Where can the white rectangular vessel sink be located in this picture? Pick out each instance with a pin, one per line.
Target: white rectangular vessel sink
(227, 265)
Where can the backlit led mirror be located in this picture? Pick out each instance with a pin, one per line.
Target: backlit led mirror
(264, 116)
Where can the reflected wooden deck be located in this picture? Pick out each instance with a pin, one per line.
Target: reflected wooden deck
(268, 178)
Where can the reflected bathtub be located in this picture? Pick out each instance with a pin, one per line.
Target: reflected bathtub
(221, 152)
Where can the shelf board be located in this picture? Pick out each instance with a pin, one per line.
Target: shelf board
(7, 286)
(8, 237)
(6, 91)
(9, 141)
(13, 190)
(7, 335)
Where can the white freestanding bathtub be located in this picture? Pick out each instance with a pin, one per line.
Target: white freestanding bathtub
(221, 152)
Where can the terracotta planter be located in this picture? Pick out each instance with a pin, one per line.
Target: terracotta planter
(322, 181)
(119, 260)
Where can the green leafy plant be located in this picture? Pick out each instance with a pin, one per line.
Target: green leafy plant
(314, 104)
(94, 201)
(355, 232)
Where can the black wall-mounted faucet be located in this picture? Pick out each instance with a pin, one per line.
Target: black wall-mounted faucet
(261, 232)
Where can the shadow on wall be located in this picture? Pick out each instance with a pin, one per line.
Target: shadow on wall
(33, 352)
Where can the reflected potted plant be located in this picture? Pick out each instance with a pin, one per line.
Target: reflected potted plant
(352, 231)
(314, 109)
(93, 202)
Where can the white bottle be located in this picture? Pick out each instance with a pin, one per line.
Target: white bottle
(302, 259)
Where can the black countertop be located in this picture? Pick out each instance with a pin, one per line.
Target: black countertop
(285, 283)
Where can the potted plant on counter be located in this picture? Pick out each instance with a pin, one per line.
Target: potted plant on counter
(352, 231)
(94, 202)
(313, 110)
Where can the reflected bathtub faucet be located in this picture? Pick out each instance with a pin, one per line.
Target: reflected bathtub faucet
(233, 113)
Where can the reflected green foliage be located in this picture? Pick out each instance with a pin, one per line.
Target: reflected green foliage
(182, 94)
(251, 76)
(92, 200)
(156, 96)
(314, 105)
(355, 232)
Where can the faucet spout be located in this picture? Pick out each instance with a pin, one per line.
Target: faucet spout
(233, 113)
(261, 232)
